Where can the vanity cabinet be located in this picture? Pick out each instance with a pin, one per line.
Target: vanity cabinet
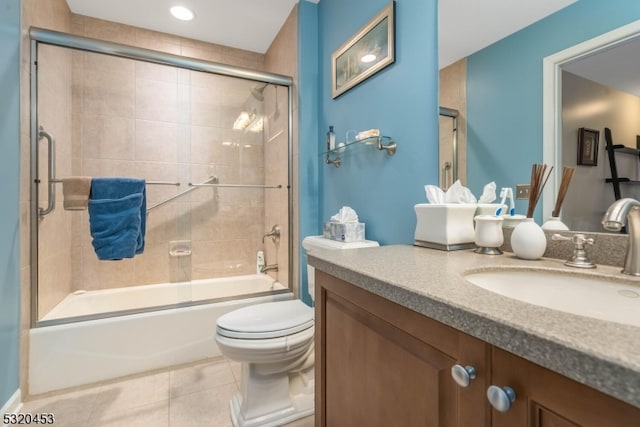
(547, 399)
(381, 364)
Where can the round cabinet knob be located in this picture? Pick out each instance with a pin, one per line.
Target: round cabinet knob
(463, 375)
(501, 398)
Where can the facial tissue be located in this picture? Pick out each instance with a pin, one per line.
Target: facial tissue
(344, 226)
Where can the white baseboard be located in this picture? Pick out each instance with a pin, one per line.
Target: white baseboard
(13, 405)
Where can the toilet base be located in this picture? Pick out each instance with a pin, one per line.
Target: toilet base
(298, 403)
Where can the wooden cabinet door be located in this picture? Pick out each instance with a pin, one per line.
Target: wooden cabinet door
(547, 399)
(380, 364)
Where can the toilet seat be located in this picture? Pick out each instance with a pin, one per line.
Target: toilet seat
(268, 320)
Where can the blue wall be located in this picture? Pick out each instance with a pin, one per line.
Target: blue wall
(504, 90)
(9, 188)
(401, 101)
(309, 215)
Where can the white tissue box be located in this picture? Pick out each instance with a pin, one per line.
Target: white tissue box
(446, 226)
(343, 232)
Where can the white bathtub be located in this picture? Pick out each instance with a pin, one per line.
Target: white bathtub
(72, 354)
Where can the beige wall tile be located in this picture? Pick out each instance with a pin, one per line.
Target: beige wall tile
(107, 30)
(156, 141)
(156, 100)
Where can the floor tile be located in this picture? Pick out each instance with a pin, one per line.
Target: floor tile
(303, 422)
(199, 378)
(191, 396)
(118, 397)
(68, 408)
(155, 414)
(205, 408)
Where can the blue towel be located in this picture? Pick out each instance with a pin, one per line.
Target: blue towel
(117, 217)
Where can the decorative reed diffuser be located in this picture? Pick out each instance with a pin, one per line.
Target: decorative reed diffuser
(555, 223)
(538, 181)
(567, 176)
(528, 240)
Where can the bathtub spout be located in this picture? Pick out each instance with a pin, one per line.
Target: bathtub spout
(269, 267)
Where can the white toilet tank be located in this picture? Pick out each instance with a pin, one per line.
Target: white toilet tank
(312, 243)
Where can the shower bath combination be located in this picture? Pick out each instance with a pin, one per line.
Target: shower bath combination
(167, 119)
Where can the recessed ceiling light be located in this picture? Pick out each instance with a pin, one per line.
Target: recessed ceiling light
(182, 13)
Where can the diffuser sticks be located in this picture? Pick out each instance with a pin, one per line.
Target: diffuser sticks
(567, 175)
(539, 177)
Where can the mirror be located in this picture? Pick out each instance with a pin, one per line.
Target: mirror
(452, 128)
(506, 95)
(597, 90)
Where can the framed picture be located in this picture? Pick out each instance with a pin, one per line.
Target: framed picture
(588, 147)
(367, 52)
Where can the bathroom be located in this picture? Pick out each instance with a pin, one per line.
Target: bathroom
(368, 180)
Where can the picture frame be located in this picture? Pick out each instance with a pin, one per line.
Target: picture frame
(368, 51)
(588, 147)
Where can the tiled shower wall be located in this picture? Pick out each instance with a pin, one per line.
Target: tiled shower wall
(161, 123)
(165, 124)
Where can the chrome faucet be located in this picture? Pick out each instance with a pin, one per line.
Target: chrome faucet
(621, 212)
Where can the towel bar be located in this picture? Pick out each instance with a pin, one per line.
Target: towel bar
(188, 190)
(235, 185)
(177, 184)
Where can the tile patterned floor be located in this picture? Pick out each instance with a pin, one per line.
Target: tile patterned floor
(191, 396)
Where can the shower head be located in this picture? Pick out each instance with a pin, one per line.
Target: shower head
(258, 92)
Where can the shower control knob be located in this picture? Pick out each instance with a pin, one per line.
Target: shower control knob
(463, 375)
(501, 398)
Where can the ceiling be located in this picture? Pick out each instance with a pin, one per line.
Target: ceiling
(243, 24)
(466, 26)
(615, 67)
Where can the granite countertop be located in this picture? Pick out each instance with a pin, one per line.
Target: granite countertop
(601, 354)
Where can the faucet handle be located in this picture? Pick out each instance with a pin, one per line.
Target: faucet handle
(579, 258)
(274, 234)
(581, 239)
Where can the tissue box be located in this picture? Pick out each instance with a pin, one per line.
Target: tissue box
(343, 232)
(447, 226)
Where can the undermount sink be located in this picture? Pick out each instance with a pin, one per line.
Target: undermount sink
(591, 296)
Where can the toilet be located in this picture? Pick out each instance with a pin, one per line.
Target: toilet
(274, 342)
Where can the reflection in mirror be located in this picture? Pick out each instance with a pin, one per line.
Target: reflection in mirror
(452, 130)
(448, 150)
(599, 90)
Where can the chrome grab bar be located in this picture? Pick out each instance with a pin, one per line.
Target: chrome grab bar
(234, 185)
(188, 190)
(51, 145)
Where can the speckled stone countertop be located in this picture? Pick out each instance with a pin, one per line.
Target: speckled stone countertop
(601, 354)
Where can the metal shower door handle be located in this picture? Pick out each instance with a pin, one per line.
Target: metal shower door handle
(51, 171)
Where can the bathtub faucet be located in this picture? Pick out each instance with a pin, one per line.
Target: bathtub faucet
(266, 268)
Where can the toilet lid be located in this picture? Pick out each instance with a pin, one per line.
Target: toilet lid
(268, 320)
